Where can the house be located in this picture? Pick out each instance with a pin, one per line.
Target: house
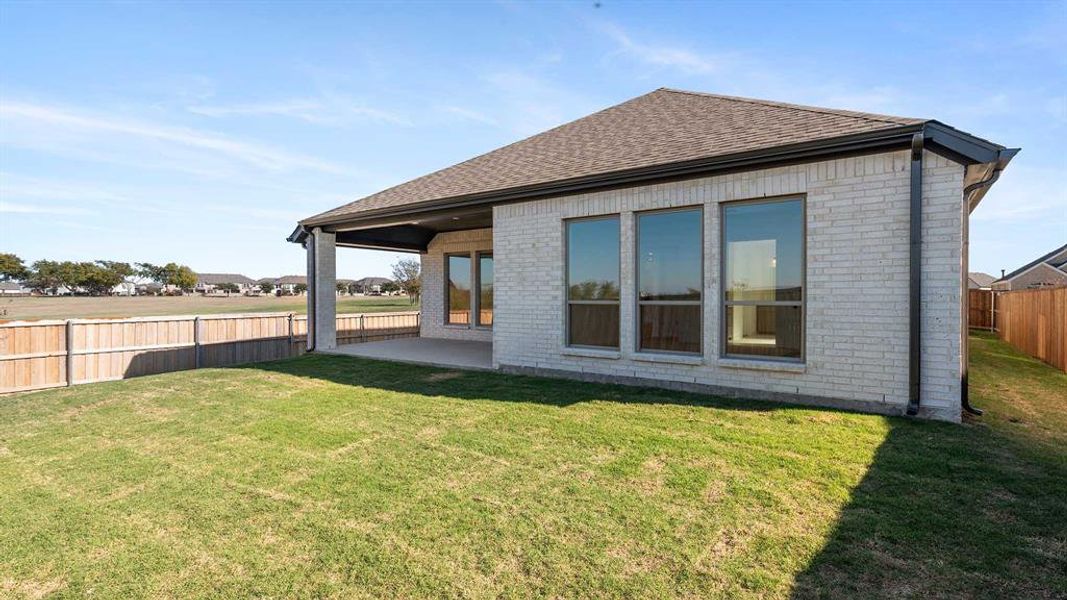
(149, 289)
(13, 288)
(208, 283)
(1048, 271)
(372, 285)
(287, 285)
(697, 242)
(126, 288)
(979, 281)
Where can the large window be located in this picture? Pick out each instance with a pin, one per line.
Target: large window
(763, 278)
(458, 300)
(669, 280)
(593, 282)
(485, 289)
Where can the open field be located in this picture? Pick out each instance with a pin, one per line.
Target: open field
(327, 476)
(13, 309)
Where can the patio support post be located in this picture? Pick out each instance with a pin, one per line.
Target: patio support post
(322, 290)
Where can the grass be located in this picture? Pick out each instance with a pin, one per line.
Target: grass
(34, 307)
(334, 477)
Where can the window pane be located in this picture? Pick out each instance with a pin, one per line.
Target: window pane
(593, 259)
(764, 251)
(670, 327)
(669, 255)
(459, 290)
(763, 331)
(593, 325)
(485, 291)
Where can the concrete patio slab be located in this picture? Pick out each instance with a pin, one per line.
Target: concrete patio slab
(452, 354)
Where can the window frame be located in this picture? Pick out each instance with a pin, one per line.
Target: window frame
(725, 304)
(476, 299)
(567, 283)
(447, 301)
(638, 302)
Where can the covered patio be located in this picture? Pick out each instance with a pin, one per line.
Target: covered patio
(436, 352)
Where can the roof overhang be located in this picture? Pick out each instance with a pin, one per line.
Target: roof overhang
(984, 161)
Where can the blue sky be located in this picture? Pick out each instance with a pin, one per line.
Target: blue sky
(200, 133)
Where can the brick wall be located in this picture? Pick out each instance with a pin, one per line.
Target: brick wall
(432, 323)
(857, 285)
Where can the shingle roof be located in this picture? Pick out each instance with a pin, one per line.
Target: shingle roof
(217, 278)
(291, 279)
(1048, 258)
(659, 128)
(981, 279)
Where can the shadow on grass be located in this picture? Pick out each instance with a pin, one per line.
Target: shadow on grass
(943, 510)
(948, 511)
(499, 387)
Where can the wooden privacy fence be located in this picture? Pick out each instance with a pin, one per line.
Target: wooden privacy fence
(1035, 322)
(980, 306)
(43, 354)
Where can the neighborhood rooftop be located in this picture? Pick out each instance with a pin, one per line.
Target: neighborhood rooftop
(664, 127)
(220, 278)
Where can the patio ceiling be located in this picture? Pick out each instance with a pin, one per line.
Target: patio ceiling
(413, 234)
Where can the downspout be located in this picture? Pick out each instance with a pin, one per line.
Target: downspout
(309, 245)
(1002, 161)
(915, 275)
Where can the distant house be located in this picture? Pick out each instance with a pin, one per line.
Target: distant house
(979, 281)
(208, 283)
(13, 288)
(1048, 271)
(126, 288)
(286, 285)
(371, 285)
(148, 289)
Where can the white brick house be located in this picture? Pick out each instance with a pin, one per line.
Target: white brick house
(698, 242)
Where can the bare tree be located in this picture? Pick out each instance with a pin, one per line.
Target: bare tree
(406, 274)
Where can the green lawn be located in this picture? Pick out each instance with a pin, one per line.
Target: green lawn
(334, 477)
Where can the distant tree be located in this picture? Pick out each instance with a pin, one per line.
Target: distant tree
(172, 274)
(45, 276)
(12, 267)
(229, 288)
(97, 279)
(342, 288)
(406, 273)
(181, 276)
(354, 288)
(389, 287)
(266, 287)
(300, 288)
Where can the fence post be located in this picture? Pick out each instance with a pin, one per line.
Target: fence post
(992, 310)
(289, 350)
(362, 329)
(70, 352)
(196, 342)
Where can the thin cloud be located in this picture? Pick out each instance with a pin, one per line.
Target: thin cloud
(470, 115)
(657, 55)
(28, 209)
(66, 121)
(336, 111)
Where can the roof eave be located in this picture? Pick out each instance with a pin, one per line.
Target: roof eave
(957, 145)
(884, 138)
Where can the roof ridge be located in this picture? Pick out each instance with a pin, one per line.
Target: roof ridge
(1042, 259)
(895, 120)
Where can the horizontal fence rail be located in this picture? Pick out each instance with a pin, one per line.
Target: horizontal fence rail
(44, 354)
